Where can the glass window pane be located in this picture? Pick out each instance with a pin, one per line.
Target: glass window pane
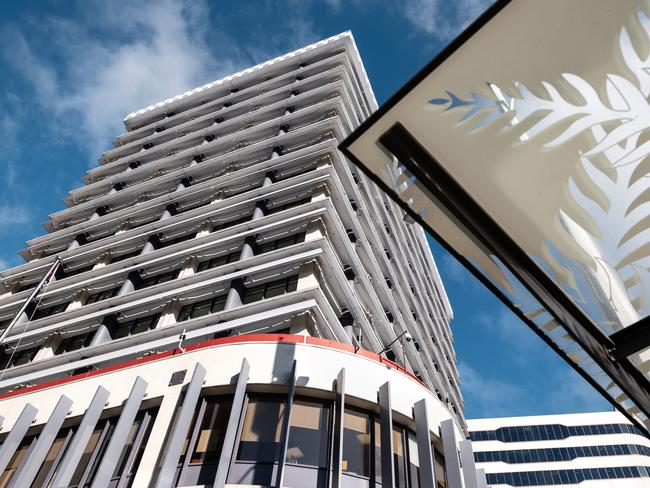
(202, 308)
(87, 454)
(212, 430)
(399, 458)
(308, 434)
(16, 461)
(414, 461)
(356, 443)
(260, 438)
(126, 449)
(50, 457)
(275, 289)
(377, 436)
(254, 294)
(218, 304)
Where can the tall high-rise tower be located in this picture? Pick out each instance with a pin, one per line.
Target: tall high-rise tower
(232, 302)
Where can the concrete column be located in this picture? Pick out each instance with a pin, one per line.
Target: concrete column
(102, 335)
(320, 193)
(315, 230)
(189, 268)
(105, 260)
(217, 197)
(235, 294)
(147, 248)
(73, 245)
(129, 285)
(169, 314)
(269, 178)
(48, 348)
(307, 277)
(165, 215)
(258, 213)
(248, 249)
(205, 230)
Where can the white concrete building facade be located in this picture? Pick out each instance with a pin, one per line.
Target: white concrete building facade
(590, 450)
(233, 304)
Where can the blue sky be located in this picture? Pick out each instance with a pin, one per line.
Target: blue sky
(72, 70)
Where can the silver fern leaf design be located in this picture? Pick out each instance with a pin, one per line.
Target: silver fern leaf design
(618, 279)
(627, 106)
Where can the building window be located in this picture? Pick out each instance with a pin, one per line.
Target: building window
(72, 272)
(414, 460)
(218, 261)
(271, 289)
(356, 443)
(46, 312)
(551, 432)
(46, 472)
(74, 343)
(204, 307)
(566, 476)
(158, 279)
(16, 460)
(308, 434)
(280, 243)
(135, 326)
(25, 286)
(9, 359)
(124, 256)
(439, 463)
(177, 240)
(89, 463)
(286, 206)
(91, 458)
(231, 223)
(103, 295)
(399, 457)
(212, 423)
(262, 428)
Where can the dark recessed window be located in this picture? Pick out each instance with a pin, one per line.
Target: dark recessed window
(25, 286)
(308, 434)
(135, 326)
(18, 358)
(261, 431)
(124, 256)
(219, 261)
(212, 419)
(73, 272)
(231, 223)
(204, 307)
(288, 205)
(159, 278)
(74, 343)
(177, 240)
(356, 456)
(271, 289)
(46, 312)
(280, 243)
(103, 295)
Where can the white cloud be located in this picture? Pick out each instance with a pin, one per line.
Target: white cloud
(119, 58)
(454, 271)
(490, 396)
(13, 215)
(440, 18)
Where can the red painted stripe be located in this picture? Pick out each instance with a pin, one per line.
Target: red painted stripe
(296, 339)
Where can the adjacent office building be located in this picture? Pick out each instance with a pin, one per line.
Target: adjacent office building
(590, 450)
(228, 301)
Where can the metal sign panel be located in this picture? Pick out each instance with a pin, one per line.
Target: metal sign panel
(523, 147)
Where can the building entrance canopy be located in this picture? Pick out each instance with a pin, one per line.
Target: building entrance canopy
(524, 147)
